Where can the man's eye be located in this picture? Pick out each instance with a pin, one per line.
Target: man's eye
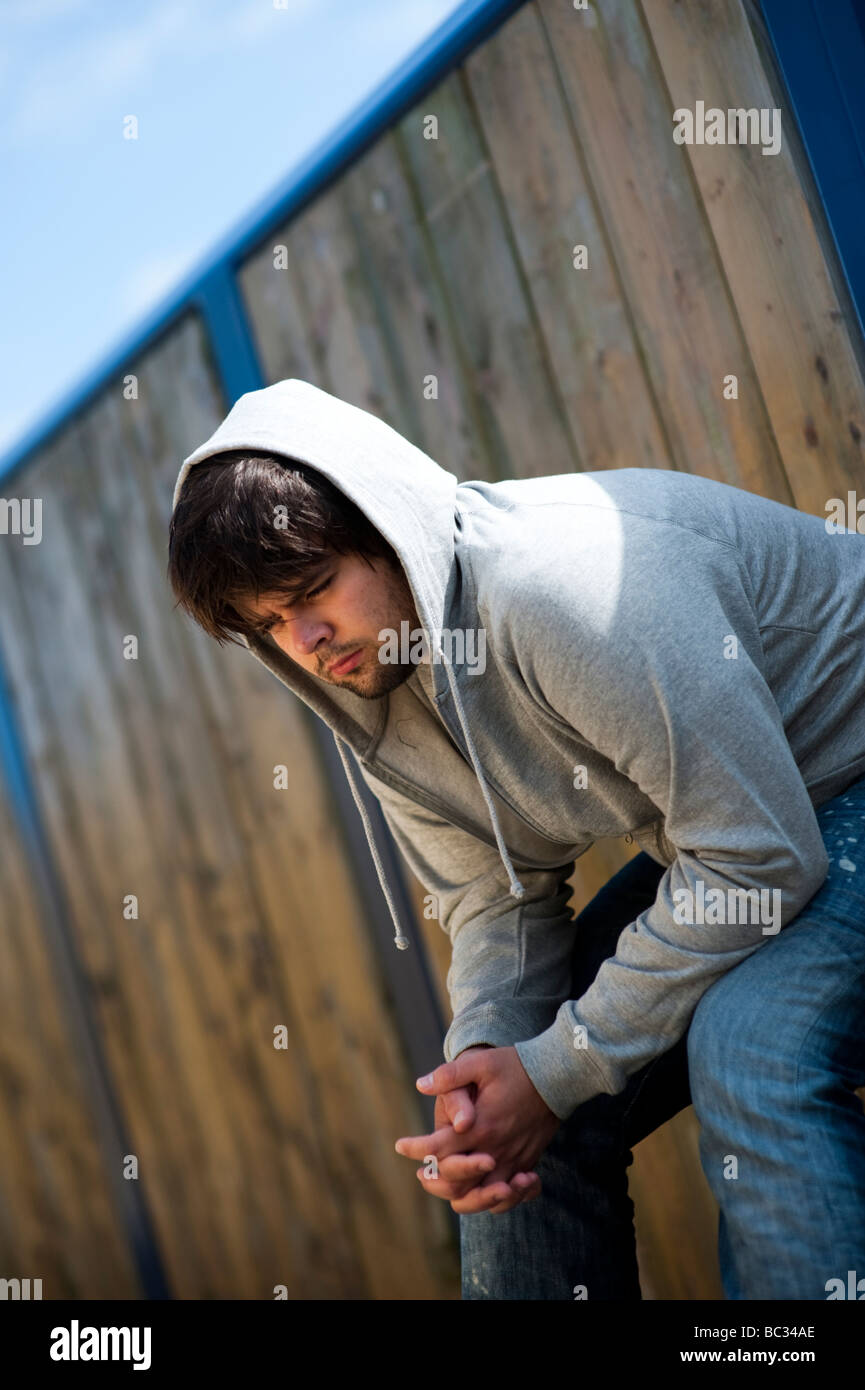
(321, 588)
(311, 593)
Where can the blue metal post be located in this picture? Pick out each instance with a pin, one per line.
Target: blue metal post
(820, 48)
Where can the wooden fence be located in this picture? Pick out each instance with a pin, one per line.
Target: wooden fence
(204, 908)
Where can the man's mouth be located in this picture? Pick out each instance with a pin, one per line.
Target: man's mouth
(346, 663)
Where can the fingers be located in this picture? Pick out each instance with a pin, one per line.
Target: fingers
(459, 1108)
(442, 1142)
(497, 1196)
(466, 1167)
(528, 1187)
(456, 1175)
(471, 1184)
(471, 1065)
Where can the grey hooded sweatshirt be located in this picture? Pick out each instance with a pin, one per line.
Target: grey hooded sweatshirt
(647, 653)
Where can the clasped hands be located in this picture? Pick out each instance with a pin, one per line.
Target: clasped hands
(491, 1127)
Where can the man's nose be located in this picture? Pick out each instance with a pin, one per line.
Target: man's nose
(306, 636)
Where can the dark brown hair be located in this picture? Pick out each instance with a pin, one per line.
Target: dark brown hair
(248, 523)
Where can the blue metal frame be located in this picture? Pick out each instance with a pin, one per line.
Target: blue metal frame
(820, 49)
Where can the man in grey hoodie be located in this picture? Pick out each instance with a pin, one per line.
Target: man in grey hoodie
(524, 668)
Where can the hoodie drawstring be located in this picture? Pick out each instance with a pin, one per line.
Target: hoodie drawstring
(401, 941)
(517, 888)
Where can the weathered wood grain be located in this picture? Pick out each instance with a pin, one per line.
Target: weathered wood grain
(550, 207)
(770, 252)
(689, 333)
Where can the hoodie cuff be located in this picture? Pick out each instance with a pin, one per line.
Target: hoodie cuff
(498, 1025)
(563, 1075)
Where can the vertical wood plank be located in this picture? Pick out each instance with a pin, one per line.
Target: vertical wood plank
(690, 335)
(550, 207)
(523, 418)
(57, 1219)
(770, 250)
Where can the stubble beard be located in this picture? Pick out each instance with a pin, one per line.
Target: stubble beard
(376, 678)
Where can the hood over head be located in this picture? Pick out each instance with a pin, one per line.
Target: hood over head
(412, 502)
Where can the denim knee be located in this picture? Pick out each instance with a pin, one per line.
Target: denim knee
(741, 1060)
(717, 1051)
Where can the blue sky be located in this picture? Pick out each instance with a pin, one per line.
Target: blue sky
(229, 95)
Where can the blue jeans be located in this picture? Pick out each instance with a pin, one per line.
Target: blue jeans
(770, 1061)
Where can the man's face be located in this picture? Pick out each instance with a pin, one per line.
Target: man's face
(341, 610)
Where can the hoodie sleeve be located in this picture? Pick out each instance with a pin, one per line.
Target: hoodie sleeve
(669, 686)
(510, 960)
